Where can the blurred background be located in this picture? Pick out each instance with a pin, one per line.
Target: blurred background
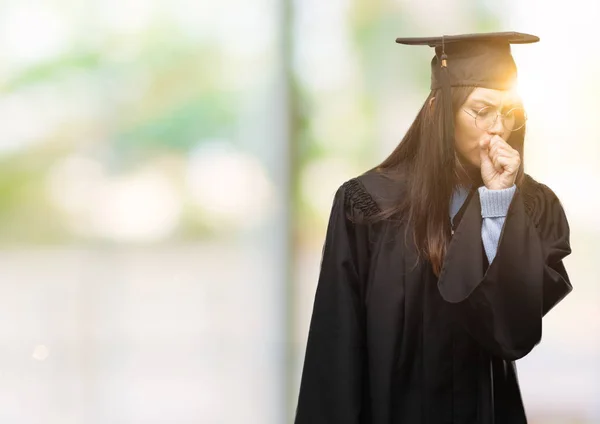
(166, 174)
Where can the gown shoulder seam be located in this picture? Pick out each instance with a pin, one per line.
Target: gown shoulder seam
(358, 198)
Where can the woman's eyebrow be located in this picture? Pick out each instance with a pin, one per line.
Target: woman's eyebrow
(508, 104)
(485, 102)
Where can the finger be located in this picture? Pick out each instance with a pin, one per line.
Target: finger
(512, 155)
(495, 149)
(484, 156)
(498, 141)
(498, 162)
(484, 151)
(495, 140)
(503, 151)
(505, 145)
(500, 144)
(507, 164)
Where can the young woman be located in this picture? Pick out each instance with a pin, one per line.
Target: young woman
(440, 263)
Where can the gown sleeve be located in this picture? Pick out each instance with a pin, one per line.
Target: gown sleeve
(502, 306)
(332, 376)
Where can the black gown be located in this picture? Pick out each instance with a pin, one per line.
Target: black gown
(389, 343)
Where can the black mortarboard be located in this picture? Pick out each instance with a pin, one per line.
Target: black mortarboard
(476, 60)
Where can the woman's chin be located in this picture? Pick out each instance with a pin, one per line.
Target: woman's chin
(471, 164)
(475, 163)
(469, 170)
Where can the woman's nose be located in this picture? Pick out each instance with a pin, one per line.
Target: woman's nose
(497, 128)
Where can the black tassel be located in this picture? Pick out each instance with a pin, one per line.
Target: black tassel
(448, 112)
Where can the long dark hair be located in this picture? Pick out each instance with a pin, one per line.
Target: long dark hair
(430, 169)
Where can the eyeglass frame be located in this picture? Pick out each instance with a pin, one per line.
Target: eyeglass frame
(503, 115)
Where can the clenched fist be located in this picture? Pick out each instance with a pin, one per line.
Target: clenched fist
(499, 163)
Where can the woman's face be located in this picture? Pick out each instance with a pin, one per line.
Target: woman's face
(467, 135)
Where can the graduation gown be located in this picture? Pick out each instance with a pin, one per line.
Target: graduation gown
(390, 343)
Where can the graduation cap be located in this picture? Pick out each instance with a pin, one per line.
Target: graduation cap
(475, 60)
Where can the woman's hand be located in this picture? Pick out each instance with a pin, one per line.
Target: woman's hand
(499, 163)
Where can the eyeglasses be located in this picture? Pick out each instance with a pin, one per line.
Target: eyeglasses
(486, 118)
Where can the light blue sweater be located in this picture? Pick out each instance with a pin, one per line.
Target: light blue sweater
(494, 207)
